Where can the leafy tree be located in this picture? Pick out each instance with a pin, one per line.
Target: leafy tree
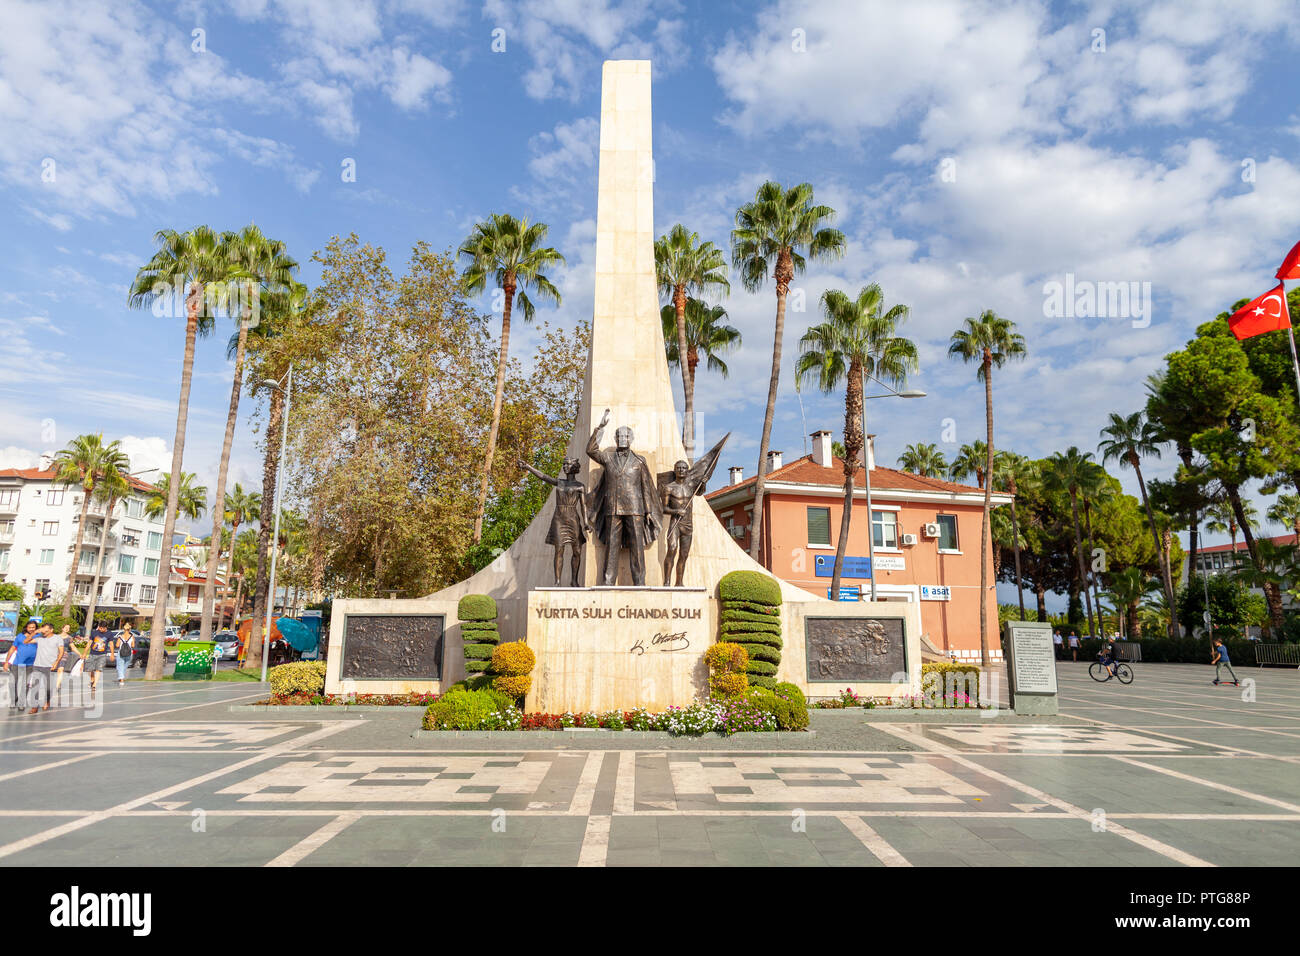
(1286, 511)
(858, 339)
(241, 507)
(708, 337)
(772, 234)
(972, 459)
(1069, 472)
(990, 341)
(685, 267)
(1011, 472)
(191, 499)
(114, 485)
(84, 462)
(509, 251)
(1232, 606)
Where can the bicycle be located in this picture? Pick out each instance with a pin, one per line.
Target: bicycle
(1102, 672)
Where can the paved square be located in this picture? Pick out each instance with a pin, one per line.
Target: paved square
(1167, 771)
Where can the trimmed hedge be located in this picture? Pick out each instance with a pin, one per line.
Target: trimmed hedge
(1180, 650)
(751, 586)
(477, 666)
(756, 637)
(762, 652)
(791, 692)
(736, 614)
(761, 680)
(750, 627)
(953, 677)
(479, 652)
(299, 677)
(476, 607)
(761, 667)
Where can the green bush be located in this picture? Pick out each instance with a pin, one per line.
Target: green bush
(476, 666)
(479, 652)
(464, 709)
(789, 714)
(761, 667)
(300, 677)
(751, 586)
(762, 652)
(761, 680)
(757, 637)
(476, 607)
(750, 627)
(733, 614)
(790, 692)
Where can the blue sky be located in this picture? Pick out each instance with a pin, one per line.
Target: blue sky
(973, 151)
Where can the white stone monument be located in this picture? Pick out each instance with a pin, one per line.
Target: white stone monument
(592, 662)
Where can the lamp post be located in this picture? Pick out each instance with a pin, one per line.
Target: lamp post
(866, 466)
(279, 488)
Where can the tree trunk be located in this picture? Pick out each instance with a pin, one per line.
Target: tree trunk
(985, 530)
(1166, 577)
(157, 652)
(99, 568)
(688, 373)
(219, 499)
(784, 273)
(76, 550)
(853, 441)
(266, 518)
(1092, 551)
(1041, 594)
(1015, 532)
(509, 289)
(1078, 544)
(230, 570)
(239, 597)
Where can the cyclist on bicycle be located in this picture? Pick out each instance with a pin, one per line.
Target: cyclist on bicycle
(1107, 656)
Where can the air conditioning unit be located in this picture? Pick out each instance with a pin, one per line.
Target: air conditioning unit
(908, 540)
(737, 531)
(930, 529)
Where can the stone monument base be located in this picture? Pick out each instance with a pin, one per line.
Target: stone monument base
(618, 648)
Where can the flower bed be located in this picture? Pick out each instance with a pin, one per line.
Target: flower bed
(344, 700)
(847, 698)
(701, 717)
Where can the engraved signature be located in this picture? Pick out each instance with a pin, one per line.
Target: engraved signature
(672, 642)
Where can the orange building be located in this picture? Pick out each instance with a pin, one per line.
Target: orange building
(926, 539)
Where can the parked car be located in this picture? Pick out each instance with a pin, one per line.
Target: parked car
(227, 645)
(141, 655)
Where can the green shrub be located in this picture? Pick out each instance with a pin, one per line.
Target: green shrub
(790, 714)
(761, 680)
(790, 692)
(300, 677)
(757, 637)
(476, 607)
(464, 709)
(514, 658)
(751, 586)
(480, 652)
(750, 627)
(761, 667)
(762, 652)
(613, 721)
(952, 677)
(476, 666)
(478, 682)
(730, 614)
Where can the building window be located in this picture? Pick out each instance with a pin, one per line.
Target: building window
(47, 555)
(122, 592)
(134, 508)
(42, 588)
(126, 563)
(155, 541)
(9, 499)
(151, 567)
(819, 526)
(884, 529)
(1218, 561)
(148, 593)
(81, 589)
(947, 532)
(87, 562)
(4, 560)
(130, 537)
(194, 594)
(54, 496)
(50, 528)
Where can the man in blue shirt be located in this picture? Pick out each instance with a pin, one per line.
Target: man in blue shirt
(1221, 660)
(18, 665)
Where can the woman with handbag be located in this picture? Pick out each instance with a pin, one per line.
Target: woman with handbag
(125, 648)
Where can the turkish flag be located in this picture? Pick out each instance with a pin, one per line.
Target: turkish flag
(1290, 267)
(1268, 313)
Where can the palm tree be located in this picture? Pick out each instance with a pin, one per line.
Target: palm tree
(1127, 439)
(991, 341)
(280, 311)
(256, 263)
(924, 460)
(1011, 471)
(241, 508)
(510, 251)
(191, 499)
(114, 484)
(684, 266)
(1222, 519)
(197, 261)
(1286, 511)
(83, 462)
(1096, 490)
(972, 459)
(857, 339)
(1067, 472)
(1127, 589)
(707, 336)
(771, 235)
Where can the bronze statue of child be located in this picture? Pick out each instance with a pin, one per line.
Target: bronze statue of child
(571, 522)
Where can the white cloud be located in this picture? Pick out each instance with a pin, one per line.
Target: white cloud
(270, 154)
(414, 78)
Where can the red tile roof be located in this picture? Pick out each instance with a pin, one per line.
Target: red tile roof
(36, 474)
(1241, 545)
(805, 471)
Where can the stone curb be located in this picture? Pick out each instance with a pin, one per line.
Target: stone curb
(523, 735)
(302, 710)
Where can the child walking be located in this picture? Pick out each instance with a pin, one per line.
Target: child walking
(1221, 660)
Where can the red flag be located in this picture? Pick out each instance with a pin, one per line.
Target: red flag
(1290, 267)
(1268, 313)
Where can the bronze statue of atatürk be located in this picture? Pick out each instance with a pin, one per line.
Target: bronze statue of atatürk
(571, 522)
(677, 489)
(626, 502)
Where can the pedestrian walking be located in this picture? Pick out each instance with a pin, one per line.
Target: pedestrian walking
(49, 649)
(97, 653)
(68, 660)
(1074, 645)
(125, 648)
(1058, 644)
(1221, 660)
(18, 665)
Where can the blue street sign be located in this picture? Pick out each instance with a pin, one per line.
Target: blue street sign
(848, 592)
(855, 566)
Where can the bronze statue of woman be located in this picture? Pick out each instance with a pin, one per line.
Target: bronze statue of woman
(571, 522)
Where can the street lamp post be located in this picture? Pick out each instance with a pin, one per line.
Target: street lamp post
(279, 488)
(866, 467)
